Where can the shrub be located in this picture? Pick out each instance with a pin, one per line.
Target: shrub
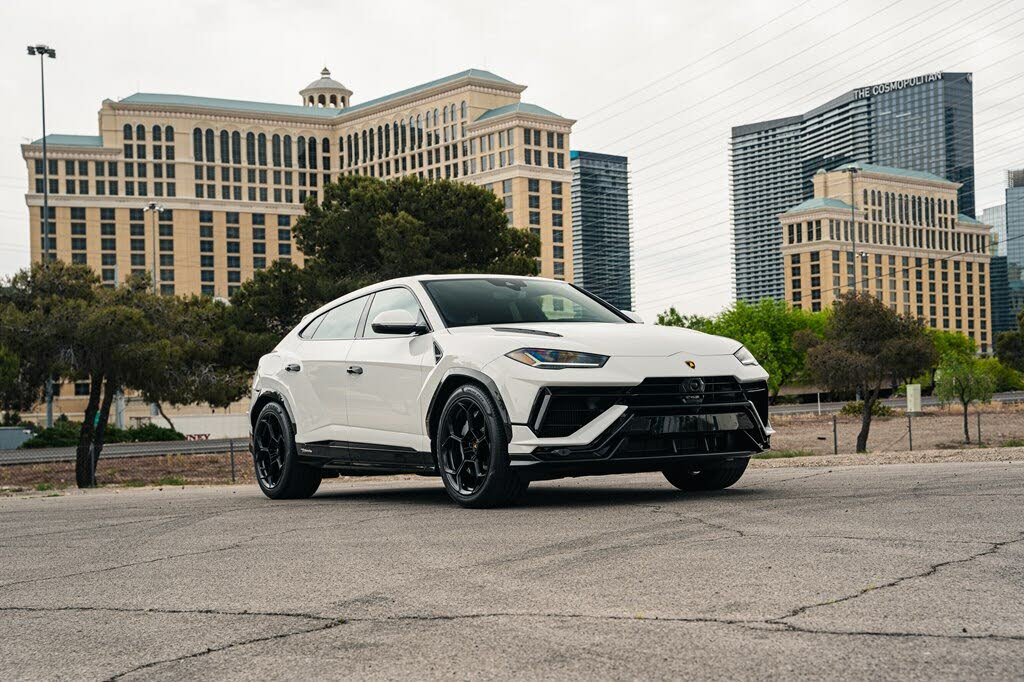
(65, 433)
(856, 408)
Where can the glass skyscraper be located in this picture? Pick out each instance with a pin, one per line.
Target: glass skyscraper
(600, 226)
(923, 123)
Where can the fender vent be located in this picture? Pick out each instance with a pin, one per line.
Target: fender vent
(438, 353)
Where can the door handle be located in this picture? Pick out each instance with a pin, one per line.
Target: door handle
(293, 367)
(355, 369)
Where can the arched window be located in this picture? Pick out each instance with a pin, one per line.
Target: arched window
(197, 144)
(209, 146)
(127, 131)
(419, 131)
(334, 100)
(380, 142)
(465, 109)
(225, 150)
(365, 148)
(261, 148)
(275, 150)
(325, 146)
(430, 119)
(250, 149)
(404, 137)
(287, 151)
(321, 100)
(355, 148)
(157, 137)
(236, 147)
(312, 152)
(301, 142)
(387, 140)
(168, 134)
(444, 115)
(347, 147)
(451, 113)
(412, 133)
(394, 135)
(140, 132)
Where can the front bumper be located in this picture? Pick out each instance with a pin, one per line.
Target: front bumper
(610, 429)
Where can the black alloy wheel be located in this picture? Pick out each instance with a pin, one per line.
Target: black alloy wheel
(279, 474)
(472, 452)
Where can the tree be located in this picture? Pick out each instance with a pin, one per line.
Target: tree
(63, 324)
(1010, 349)
(966, 380)
(866, 344)
(768, 329)
(366, 230)
(949, 344)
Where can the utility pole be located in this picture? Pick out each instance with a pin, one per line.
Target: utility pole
(45, 51)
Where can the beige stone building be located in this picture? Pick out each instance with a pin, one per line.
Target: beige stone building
(231, 176)
(897, 234)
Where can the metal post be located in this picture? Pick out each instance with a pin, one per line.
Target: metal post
(853, 229)
(910, 431)
(835, 437)
(153, 211)
(819, 403)
(43, 51)
(231, 445)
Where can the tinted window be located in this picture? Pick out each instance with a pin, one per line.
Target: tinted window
(464, 302)
(340, 322)
(390, 299)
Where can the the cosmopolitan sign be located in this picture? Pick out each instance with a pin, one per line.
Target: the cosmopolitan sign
(891, 86)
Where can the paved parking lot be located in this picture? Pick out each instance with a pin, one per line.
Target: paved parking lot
(901, 571)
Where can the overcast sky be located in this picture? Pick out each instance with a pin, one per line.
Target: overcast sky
(660, 82)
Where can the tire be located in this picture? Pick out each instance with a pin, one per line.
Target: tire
(279, 473)
(715, 477)
(472, 452)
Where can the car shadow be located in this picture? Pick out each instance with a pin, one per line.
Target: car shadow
(542, 494)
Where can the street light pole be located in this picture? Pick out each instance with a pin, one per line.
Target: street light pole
(45, 51)
(853, 228)
(154, 208)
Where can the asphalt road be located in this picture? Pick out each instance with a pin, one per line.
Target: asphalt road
(903, 571)
(926, 401)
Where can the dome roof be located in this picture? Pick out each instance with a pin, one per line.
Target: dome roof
(325, 83)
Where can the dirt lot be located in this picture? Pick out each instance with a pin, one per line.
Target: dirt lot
(938, 437)
(936, 429)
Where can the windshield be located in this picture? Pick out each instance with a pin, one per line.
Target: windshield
(466, 302)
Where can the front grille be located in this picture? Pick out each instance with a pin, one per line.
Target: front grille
(562, 410)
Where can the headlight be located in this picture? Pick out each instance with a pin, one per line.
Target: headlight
(745, 356)
(545, 358)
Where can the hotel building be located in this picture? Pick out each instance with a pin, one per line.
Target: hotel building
(231, 176)
(923, 123)
(894, 233)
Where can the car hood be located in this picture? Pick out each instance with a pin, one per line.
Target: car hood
(620, 340)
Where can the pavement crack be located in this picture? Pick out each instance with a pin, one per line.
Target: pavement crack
(328, 624)
(165, 611)
(931, 570)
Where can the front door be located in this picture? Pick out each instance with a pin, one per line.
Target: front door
(383, 397)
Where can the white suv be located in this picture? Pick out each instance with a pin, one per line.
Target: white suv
(495, 381)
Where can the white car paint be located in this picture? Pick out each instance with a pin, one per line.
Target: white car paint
(389, 402)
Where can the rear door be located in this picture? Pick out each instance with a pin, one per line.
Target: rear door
(383, 397)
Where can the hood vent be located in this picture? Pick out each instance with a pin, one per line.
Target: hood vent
(521, 330)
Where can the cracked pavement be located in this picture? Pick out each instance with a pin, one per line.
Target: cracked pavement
(899, 571)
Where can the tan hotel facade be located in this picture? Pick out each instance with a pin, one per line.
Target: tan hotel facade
(232, 175)
(908, 245)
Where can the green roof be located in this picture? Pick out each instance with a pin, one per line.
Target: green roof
(890, 170)
(298, 109)
(967, 220)
(519, 107)
(73, 140)
(819, 202)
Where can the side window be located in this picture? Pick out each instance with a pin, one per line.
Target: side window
(390, 299)
(341, 322)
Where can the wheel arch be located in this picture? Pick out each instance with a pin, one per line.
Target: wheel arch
(264, 398)
(453, 379)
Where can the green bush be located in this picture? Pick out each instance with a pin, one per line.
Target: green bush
(65, 433)
(856, 408)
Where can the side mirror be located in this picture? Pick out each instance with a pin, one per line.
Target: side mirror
(633, 316)
(398, 322)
